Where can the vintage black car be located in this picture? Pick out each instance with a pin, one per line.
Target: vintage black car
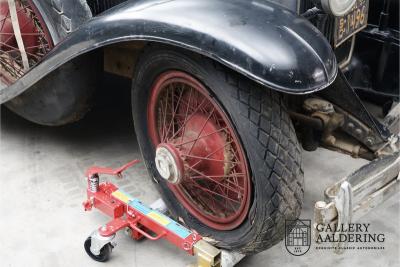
(224, 93)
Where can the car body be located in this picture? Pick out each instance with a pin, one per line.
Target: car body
(319, 63)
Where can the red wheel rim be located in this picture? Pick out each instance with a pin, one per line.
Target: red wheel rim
(215, 185)
(35, 36)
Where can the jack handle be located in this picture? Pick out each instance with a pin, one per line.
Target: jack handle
(145, 234)
(95, 170)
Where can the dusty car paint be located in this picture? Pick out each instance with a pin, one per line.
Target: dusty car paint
(259, 39)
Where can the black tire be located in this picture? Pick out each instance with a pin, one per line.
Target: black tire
(65, 95)
(55, 102)
(267, 135)
(105, 252)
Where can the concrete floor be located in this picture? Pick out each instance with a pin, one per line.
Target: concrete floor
(42, 187)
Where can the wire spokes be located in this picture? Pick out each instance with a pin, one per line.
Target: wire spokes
(36, 40)
(216, 182)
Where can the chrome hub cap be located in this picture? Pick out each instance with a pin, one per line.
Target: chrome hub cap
(169, 164)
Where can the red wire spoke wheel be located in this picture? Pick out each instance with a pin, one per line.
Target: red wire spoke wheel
(221, 148)
(35, 36)
(198, 151)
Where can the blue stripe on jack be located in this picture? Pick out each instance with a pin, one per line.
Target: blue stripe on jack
(173, 226)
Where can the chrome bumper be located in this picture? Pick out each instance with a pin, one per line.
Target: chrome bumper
(357, 194)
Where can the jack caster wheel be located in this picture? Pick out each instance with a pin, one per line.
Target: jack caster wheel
(105, 252)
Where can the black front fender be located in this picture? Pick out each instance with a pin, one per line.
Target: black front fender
(259, 39)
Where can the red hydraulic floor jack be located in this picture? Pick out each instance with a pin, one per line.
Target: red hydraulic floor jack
(138, 220)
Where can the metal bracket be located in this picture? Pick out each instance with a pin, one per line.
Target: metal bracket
(344, 206)
(207, 255)
(392, 120)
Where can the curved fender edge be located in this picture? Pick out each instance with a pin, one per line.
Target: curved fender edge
(259, 39)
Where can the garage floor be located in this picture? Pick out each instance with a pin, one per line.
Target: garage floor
(42, 187)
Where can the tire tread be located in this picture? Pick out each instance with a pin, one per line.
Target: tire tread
(265, 110)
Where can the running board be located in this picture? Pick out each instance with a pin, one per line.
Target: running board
(357, 194)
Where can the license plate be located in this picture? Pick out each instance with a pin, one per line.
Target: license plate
(351, 23)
